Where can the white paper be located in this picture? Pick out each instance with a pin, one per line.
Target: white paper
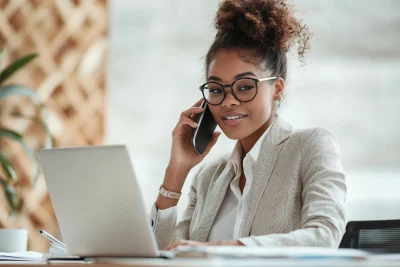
(21, 256)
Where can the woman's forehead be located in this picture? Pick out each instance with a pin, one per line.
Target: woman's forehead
(227, 63)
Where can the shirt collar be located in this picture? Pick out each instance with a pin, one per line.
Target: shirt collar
(236, 156)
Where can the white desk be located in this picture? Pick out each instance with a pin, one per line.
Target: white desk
(217, 263)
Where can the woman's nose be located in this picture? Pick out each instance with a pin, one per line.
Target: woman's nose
(230, 99)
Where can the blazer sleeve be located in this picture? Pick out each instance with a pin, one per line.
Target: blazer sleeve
(164, 224)
(323, 196)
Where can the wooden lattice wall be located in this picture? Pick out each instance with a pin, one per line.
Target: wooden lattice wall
(70, 37)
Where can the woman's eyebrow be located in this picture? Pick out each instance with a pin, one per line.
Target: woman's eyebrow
(241, 75)
(244, 74)
(214, 78)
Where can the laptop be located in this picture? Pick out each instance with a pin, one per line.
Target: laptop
(98, 202)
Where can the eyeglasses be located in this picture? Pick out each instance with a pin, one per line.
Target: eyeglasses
(243, 89)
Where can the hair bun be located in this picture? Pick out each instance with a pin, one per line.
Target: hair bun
(262, 22)
(232, 16)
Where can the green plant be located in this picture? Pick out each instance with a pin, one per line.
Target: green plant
(10, 181)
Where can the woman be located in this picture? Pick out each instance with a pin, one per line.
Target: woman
(279, 187)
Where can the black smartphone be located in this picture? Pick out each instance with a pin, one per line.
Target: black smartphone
(202, 134)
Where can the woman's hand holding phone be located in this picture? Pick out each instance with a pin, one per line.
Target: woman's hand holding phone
(183, 155)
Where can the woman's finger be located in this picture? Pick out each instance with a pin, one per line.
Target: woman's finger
(175, 244)
(171, 247)
(187, 121)
(198, 102)
(194, 110)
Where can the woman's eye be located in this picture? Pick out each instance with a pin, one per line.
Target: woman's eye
(246, 88)
(216, 91)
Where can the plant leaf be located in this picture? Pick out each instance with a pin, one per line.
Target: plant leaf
(12, 89)
(1, 56)
(11, 195)
(7, 167)
(51, 142)
(18, 138)
(20, 90)
(15, 66)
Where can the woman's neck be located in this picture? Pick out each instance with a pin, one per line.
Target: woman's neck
(249, 141)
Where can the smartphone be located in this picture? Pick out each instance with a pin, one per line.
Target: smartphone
(202, 134)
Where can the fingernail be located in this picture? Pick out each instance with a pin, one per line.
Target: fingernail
(196, 124)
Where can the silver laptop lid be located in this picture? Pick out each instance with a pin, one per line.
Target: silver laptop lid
(97, 201)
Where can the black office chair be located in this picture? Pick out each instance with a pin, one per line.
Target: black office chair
(373, 236)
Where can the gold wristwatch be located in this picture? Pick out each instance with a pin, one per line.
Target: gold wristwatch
(165, 193)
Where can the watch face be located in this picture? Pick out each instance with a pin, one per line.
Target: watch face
(164, 192)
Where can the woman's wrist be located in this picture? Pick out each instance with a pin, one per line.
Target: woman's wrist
(175, 176)
(179, 167)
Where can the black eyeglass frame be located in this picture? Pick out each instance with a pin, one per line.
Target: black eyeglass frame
(256, 81)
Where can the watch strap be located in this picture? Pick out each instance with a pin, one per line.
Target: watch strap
(168, 194)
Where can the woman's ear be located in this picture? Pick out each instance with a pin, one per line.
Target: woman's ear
(279, 88)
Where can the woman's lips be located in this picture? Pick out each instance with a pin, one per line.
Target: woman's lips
(233, 118)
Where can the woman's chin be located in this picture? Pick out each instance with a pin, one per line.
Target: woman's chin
(234, 135)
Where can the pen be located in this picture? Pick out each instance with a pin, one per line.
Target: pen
(51, 238)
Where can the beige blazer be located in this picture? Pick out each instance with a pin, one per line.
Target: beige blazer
(296, 199)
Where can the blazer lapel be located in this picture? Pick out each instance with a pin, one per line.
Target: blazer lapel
(270, 148)
(215, 196)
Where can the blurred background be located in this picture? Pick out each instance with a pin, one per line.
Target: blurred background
(349, 85)
(121, 72)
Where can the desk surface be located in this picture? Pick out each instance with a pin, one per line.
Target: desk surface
(213, 263)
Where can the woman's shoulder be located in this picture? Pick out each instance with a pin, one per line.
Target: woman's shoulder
(316, 138)
(315, 132)
(284, 131)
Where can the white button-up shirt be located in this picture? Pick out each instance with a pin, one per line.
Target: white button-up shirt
(229, 219)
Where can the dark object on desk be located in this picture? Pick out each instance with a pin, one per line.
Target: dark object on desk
(373, 236)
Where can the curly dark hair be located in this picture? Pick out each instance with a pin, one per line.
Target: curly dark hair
(262, 30)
